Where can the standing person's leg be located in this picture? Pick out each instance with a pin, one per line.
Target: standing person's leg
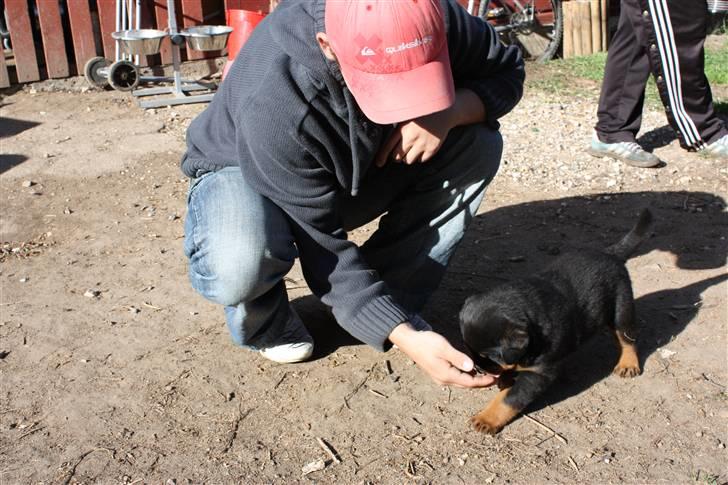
(619, 115)
(428, 208)
(240, 247)
(678, 34)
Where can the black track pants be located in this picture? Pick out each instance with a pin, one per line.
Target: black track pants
(664, 37)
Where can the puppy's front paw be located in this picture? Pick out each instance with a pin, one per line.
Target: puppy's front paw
(627, 370)
(485, 424)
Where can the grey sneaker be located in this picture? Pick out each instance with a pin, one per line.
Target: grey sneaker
(629, 152)
(718, 149)
(294, 344)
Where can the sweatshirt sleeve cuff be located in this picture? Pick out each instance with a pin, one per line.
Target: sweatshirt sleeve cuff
(375, 321)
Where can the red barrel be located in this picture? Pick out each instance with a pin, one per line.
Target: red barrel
(243, 22)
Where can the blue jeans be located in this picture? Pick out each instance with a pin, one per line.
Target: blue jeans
(240, 244)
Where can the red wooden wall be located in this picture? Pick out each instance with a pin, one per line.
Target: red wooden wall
(40, 49)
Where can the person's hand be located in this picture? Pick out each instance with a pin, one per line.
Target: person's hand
(416, 140)
(434, 355)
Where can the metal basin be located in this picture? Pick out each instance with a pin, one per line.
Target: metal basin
(207, 37)
(143, 42)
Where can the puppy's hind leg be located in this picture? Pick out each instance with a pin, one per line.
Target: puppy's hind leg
(626, 334)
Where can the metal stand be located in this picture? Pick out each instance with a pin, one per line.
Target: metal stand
(181, 87)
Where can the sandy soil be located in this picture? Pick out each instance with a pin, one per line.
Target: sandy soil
(114, 371)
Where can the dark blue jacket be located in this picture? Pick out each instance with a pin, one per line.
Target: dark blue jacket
(286, 117)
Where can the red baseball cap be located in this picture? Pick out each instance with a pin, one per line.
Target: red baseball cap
(393, 55)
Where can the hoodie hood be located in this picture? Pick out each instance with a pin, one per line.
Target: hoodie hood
(323, 78)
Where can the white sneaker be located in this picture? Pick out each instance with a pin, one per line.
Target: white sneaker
(719, 148)
(295, 344)
(629, 152)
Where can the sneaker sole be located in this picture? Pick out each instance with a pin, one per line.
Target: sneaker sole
(293, 359)
(647, 164)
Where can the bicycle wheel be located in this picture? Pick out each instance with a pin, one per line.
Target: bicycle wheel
(536, 26)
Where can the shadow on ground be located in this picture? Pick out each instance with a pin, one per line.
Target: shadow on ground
(657, 138)
(514, 241)
(8, 161)
(11, 126)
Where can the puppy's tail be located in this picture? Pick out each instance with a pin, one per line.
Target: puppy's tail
(627, 246)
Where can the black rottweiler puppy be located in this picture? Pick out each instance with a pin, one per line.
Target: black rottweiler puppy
(522, 330)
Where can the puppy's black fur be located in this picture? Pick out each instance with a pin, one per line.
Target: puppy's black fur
(523, 329)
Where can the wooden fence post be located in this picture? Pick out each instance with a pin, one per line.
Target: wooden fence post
(596, 26)
(585, 27)
(21, 34)
(568, 36)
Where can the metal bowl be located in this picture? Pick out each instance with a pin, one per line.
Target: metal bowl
(143, 42)
(207, 37)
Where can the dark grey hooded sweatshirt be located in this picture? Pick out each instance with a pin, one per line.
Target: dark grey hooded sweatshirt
(286, 117)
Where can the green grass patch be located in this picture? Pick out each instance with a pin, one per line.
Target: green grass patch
(571, 76)
(716, 65)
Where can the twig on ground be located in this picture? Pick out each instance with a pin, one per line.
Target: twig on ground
(357, 387)
(410, 470)
(720, 386)
(367, 464)
(544, 427)
(31, 431)
(234, 429)
(329, 451)
(280, 380)
(377, 393)
(405, 437)
(72, 471)
(573, 463)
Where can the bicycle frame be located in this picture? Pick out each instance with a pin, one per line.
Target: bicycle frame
(507, 15)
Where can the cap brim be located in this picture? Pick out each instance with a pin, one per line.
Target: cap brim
(396, 97)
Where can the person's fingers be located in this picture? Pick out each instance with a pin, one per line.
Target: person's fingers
(399, 153)
(386, 149)
(457, 358)
(460, 379)
(414, 155)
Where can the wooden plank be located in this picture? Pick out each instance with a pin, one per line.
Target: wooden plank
(148, 22)
(21, 35)
(604, 5)
(107, 21)
(84, 46)
(192, 15)
(54, 46)
(4, 78)
(576, 29)
(596, 25)
(252, 5)
(160, 10)
(568, 38)
(585, 27)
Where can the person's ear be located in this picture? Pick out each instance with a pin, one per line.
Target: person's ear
(323, 42)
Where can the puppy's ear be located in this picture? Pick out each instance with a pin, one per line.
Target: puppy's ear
(470, 311)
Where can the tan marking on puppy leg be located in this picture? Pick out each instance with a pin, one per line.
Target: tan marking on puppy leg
(495, 416)
(629, 363)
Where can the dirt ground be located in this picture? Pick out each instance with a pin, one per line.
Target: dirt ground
(114, 371)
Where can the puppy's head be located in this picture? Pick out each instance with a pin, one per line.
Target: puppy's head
(495, 335)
